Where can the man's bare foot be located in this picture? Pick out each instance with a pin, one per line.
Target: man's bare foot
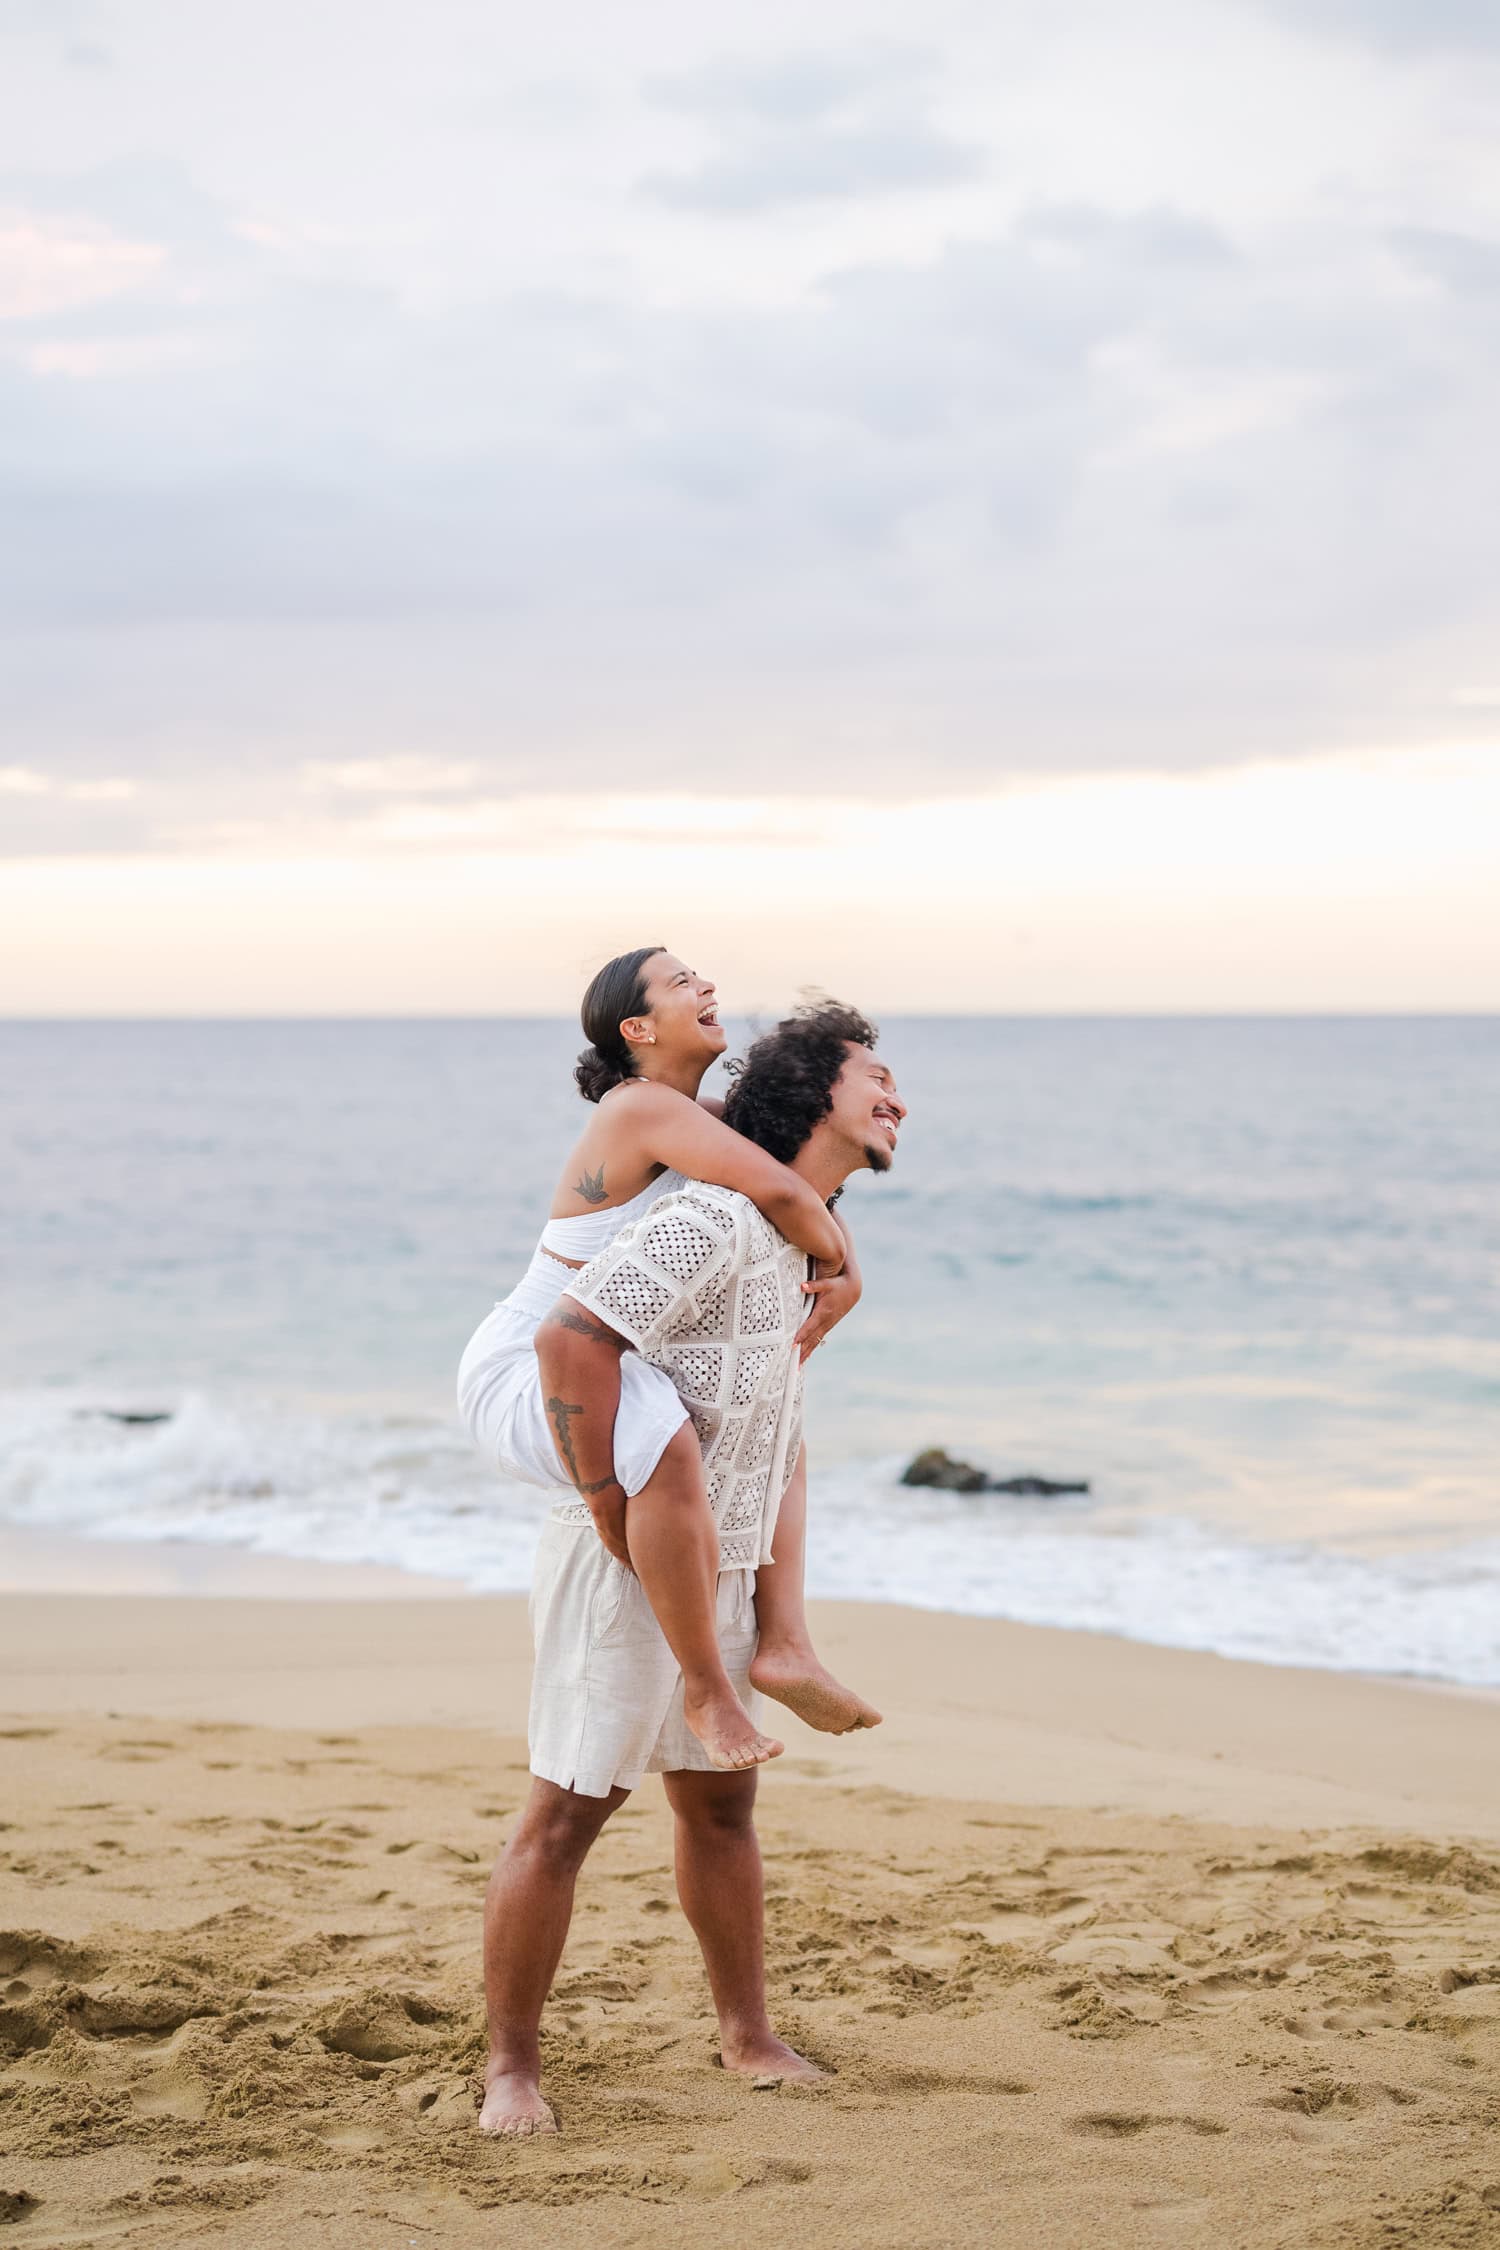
(769, 2057)
(796, 1678)
(729, 1734)
(513, 2105)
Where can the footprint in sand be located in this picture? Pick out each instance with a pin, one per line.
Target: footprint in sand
(1338, 2098)
(356, 2139)
(33, 1959)
(172, 2093)
(178, 2191)
(379, 2027)
(1123, 2124)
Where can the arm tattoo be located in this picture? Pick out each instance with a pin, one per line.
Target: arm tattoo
(591, 1187)
(563, 1413)
(573, 1317)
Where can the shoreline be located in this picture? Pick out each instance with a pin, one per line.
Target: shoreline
(51, 1561)
(974, 1706)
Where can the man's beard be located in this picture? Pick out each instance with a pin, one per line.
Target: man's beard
(878, 1156)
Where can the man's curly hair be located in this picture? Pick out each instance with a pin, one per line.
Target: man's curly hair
(785, 1084)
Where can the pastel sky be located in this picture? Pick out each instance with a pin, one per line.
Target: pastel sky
(980, 506)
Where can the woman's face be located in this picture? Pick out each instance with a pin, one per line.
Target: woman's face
(684, 1014)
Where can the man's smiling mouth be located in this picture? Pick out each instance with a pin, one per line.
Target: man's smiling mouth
(889, 1124)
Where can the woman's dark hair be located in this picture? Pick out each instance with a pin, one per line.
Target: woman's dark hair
(618, 991)
(784, 1086)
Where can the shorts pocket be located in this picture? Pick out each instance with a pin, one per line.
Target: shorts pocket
(623, 1614)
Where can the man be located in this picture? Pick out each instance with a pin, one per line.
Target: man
(706, 1288)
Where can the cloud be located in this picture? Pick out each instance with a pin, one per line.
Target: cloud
(1464, 263)
(1309, 884)
(803, 127)
(1401, 26)
(793, 165)
(50, 265)
(149, 196)
(1077, 494)
(790, 88)
(390, 777)
(1122, 452)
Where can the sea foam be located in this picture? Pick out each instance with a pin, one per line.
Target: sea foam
(408, 1492)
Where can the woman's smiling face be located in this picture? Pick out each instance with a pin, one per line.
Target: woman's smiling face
(683, 1011)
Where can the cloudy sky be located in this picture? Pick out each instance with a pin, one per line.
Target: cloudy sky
(986, 505)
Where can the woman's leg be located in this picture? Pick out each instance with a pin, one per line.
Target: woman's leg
(786, 1665)
(674, 1546)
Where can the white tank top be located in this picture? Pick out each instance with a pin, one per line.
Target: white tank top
(593, 1231)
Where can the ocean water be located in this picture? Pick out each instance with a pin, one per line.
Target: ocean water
(1242, 1275)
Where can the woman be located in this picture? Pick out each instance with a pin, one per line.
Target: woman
(654, 1031)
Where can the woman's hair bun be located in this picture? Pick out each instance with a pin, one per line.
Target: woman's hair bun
(596, 1074)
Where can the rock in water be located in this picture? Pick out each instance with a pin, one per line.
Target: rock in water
(115, 1414)
(936, 1467)
(1034, 1488)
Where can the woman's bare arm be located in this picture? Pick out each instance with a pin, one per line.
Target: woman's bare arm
(670, 1128)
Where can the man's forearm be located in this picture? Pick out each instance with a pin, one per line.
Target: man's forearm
(579, 1360)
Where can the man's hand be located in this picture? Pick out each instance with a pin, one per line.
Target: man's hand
(833, 1295)
(608, 1511)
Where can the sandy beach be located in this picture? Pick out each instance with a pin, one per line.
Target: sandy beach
(1104, 1943)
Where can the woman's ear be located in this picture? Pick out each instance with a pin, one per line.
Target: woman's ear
(636, 1031)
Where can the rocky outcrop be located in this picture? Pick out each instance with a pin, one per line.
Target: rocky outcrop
(936, 1467)
(117, 1414)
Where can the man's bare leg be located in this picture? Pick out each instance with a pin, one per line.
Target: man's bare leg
(786, 1665)
(719, 1884)
(674, 1545)
(527, 1909)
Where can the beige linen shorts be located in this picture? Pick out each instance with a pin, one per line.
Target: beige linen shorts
(606, 1695)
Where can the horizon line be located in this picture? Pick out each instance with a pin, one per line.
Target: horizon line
(1330, 1014)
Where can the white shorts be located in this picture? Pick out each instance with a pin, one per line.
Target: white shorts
(500, 1392)
(606, 1695)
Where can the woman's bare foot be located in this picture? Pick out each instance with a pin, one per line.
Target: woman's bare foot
(513, 2105)
(728, 1733)
(769, 2057)
(795, 1677)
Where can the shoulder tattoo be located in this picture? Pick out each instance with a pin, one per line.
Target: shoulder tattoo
(566, 1314)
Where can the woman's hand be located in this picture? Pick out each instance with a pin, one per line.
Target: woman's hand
(833, 1295)
(608, 1511)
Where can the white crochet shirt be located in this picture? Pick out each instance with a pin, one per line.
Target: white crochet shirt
(707, 1290)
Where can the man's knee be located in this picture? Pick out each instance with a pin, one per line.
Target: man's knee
(720, 1804)
(559, 1825)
